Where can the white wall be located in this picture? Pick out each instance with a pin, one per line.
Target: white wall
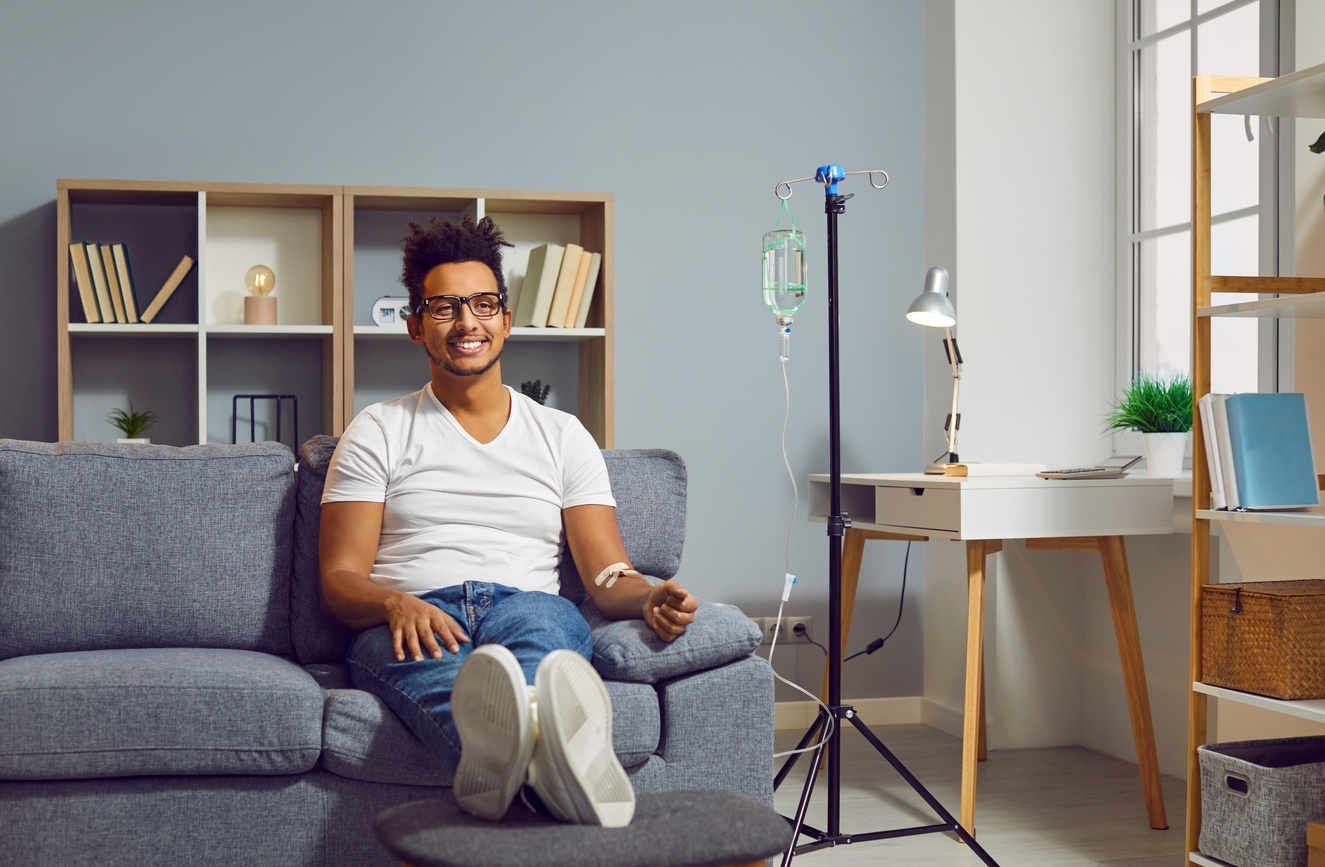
(1030, 219)
(1028, 236)
(1028, 231)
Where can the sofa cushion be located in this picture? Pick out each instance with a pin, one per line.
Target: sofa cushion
(126, 713)
(363, 740)
(649, 486)
(108, 546)
(629, 650)
(315, 636)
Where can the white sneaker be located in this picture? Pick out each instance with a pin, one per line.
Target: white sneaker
(490, 705)
(574, 770)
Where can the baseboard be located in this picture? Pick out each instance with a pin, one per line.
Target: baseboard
(901, 710)
(944, 717)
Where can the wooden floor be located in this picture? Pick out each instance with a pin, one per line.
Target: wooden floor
(1063, 807)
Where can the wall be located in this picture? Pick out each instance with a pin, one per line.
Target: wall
(689, 112)
(1052, 662)
(1028, 234)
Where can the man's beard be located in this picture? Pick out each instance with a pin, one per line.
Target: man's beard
(454, 371)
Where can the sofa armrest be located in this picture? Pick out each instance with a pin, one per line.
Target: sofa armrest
(717, 729)
(629, 650)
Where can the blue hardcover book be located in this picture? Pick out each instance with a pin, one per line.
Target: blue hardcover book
(1271, 447)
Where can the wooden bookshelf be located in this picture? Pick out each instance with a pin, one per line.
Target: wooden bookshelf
(1301, 94)
(529, 218)
(306, 234)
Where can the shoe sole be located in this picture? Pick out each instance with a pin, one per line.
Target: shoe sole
(490, 706)
(575, 727)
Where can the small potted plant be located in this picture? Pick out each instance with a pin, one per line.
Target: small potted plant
(1161, 409)
(131, 424)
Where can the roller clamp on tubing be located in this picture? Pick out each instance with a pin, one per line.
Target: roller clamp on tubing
(838, 524)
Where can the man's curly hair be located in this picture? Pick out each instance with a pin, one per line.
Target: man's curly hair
(442, 242)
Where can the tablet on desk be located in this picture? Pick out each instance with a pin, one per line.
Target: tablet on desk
(1114, 468)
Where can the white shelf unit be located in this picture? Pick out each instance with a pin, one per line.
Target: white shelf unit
(1301, 94)
(1292, 518)
(199, 353)
(381, 362)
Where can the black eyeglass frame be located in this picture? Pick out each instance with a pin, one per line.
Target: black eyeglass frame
(463, 301)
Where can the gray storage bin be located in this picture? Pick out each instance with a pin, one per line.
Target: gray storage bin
(1257, 798)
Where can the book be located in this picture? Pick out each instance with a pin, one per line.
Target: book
(172, 282)
(540, 281)
(113, 283)
(1220, 412)
(121, 256)
(1206, 408)
(595, 265)
(83, 277)
(573, 306)
(1270, 440)
(570, 266)
(989, 469)
(98, 270)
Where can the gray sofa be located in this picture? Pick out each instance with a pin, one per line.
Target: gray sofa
(171, 693)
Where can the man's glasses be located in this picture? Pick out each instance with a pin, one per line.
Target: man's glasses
(444, 308)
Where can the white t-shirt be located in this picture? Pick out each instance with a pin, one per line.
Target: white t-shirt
(459, 510)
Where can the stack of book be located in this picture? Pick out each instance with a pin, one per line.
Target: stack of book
(1258, 450)
(558, 287)
(105, 284)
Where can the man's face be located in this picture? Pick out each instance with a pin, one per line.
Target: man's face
(467, 345)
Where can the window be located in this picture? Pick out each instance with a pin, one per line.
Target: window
(1168, 42)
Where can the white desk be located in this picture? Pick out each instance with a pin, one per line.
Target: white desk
(1052, 514)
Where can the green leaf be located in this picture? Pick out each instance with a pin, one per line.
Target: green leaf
(1152, 404)
(133, 424)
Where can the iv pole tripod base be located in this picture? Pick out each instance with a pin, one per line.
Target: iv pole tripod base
(838, 521)
(825, 840)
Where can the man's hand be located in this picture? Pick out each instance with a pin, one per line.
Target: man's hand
(416, 626)
(669, 609)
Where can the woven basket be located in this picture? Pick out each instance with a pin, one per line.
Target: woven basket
(1266, 637)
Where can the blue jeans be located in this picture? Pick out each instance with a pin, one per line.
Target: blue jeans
(528, 623)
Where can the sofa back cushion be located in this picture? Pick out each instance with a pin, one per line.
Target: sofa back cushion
(316, 637)
(106, 546)
(649, 486)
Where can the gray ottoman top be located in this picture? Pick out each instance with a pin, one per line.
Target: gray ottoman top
(670, 829)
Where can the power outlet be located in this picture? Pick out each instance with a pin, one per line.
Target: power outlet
(787, 634)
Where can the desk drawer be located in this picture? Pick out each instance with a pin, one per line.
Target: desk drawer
(922, 508)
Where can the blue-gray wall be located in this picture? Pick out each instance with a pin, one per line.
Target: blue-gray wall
(689, 112)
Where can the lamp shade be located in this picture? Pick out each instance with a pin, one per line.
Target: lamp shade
(933, 308)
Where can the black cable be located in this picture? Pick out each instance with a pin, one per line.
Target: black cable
(901, 606)
(799, 629)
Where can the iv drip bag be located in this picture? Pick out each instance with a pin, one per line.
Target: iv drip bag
(784, 270)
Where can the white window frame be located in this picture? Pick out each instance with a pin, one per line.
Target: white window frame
(1275, 338)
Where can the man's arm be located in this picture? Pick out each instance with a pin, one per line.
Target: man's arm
(347, 548)
(595, 543)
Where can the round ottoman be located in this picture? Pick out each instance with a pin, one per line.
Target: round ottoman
(670, 829)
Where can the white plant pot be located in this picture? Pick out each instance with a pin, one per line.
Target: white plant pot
(138, 440)
(1164, 453)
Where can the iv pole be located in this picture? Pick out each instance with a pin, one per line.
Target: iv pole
(838, 522)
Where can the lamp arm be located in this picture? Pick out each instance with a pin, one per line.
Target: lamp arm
(953, 358)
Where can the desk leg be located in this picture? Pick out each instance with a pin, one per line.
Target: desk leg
(972, 717)
(1119, 583)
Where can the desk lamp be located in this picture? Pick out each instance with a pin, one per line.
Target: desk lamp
(934, 309)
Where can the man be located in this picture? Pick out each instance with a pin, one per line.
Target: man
(443, 518)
